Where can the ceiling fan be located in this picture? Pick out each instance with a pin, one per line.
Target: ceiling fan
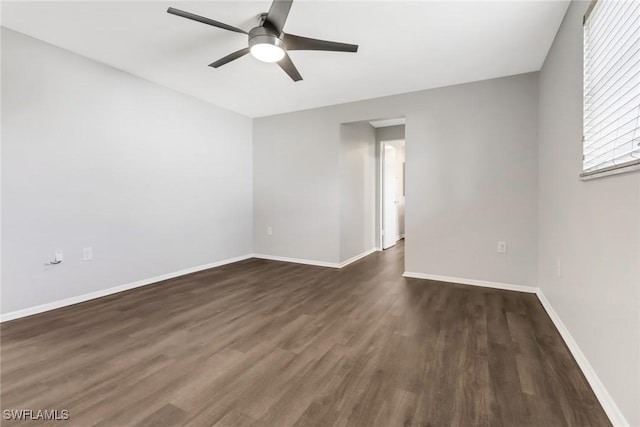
(268, 42)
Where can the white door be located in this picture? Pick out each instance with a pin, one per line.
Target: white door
(389, 199)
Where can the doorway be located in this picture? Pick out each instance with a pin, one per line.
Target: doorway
(363, 206)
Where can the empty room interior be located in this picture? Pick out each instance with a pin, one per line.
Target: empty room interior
(320, 213)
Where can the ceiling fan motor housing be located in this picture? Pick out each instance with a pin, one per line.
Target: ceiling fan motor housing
(263, 35)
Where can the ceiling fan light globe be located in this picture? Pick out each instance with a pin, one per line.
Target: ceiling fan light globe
(267, 52)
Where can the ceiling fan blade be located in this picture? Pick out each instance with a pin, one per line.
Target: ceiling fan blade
(278, 13)
(231, 57)
(204, 20)
(287, 65)
(294, 42)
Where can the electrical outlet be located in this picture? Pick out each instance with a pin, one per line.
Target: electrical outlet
(87, 253)
(558, 268)
(58, 257)
(269, 231)
(502, 247)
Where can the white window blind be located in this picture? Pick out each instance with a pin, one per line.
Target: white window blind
(611, 122)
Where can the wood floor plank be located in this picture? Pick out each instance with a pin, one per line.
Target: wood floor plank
(168, 415)
(234, 418)
(267, 343)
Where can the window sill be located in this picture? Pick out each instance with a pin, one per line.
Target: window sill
(613, 170)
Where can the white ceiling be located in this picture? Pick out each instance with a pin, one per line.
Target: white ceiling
(404, 46)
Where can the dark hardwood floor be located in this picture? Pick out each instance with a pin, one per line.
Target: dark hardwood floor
(266, 343)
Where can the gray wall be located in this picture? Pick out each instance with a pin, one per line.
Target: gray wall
(153, 180)
(357, 189)
(296, 187)
(591, 229)
(390, 133)
(471, 179)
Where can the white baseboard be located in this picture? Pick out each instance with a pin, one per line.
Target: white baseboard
(608, 404)
(472, 282)
(314, 262)
(357, 257)
(606, 401)
(298, 260)
(114, 290)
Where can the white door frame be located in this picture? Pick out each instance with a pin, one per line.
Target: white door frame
(381, 192)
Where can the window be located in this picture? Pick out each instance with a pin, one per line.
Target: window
(611, 135)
